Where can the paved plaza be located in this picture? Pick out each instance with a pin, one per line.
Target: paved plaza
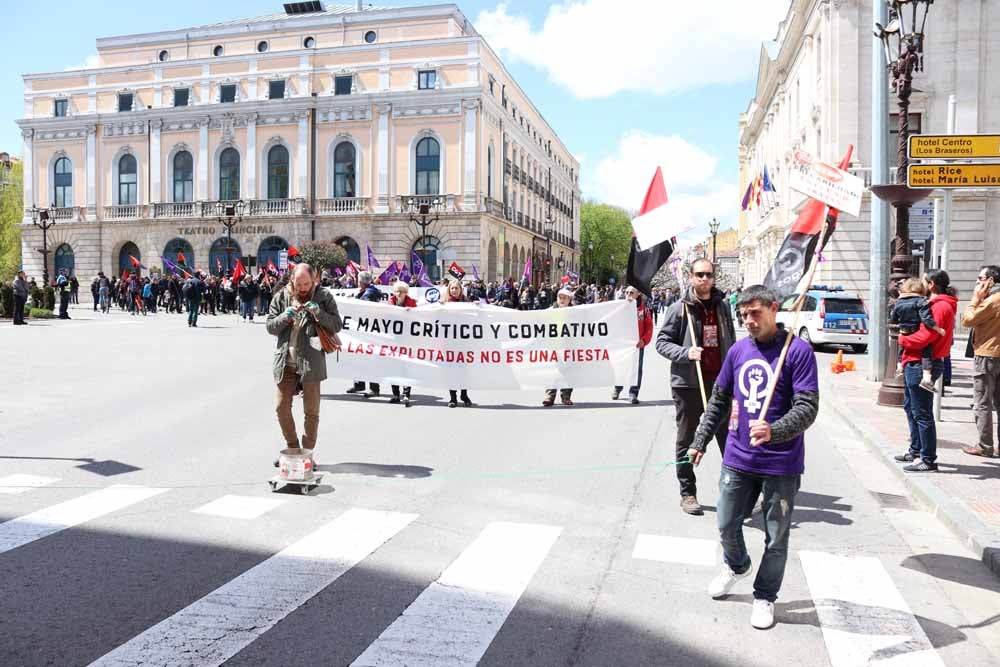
(136, 526)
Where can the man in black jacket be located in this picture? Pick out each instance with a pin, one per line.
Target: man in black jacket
(714, 334)
(366, 292)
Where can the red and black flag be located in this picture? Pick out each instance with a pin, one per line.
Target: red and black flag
(456, 271)
(655, 227)
(802, 243)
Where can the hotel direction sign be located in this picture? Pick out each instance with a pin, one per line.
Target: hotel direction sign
(954, 146)
(950, 176)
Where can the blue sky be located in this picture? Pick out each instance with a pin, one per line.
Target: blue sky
(627, 86)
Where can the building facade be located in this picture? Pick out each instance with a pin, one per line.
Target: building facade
(328, 123)
(814, 94)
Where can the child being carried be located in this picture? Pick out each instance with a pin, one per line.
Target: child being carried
(912, 310)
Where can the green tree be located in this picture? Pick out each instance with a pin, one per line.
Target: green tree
(610, 229)
(11, 211)
(323, 255)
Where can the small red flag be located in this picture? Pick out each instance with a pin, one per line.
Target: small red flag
(239, 271)
(270, 267)
(293, 251)
(134, 261)
(180, 258)
(125, 274)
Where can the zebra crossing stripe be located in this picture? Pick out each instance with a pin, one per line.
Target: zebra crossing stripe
(216, 627)
(19, 483)
(456, 618)
(865, 619)
(30, 527)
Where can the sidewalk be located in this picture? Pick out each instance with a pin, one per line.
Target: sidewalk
(965, 493)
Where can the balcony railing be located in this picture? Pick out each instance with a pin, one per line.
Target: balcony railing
(123, 212)
(64, 213)
(492, 206)
(188, 209)
(342, 205)
(275, 207)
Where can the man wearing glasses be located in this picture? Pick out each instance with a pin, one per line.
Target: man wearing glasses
(982, 315)
(704, 310)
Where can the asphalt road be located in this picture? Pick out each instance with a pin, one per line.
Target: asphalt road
(136, 526)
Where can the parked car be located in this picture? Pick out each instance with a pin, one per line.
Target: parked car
(829, 316)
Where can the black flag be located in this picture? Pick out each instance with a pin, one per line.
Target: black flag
(643, 264)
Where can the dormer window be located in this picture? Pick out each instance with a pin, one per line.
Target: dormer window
(125, 101)
(163, 56)
(227, 93)
(426, 79)
(276, 89)
(342, 84)
(59, 108)
(262, 46)
(217, 51)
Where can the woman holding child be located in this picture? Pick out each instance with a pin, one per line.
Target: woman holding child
(917, 400)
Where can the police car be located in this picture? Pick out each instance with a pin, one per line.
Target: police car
(829, 316)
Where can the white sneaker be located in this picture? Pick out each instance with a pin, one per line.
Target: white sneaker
(762, 616)
(724, 582)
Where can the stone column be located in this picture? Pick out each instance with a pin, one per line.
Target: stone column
(302, 156)
(91, 166)
(203, 191)
(469, 141)
(29, 170)
(155, 161)
(382, 203)
(251, 157)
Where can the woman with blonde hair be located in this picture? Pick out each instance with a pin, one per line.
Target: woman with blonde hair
(455, 293)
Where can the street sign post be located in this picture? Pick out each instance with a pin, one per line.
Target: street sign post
(954, 175)
(954, 146)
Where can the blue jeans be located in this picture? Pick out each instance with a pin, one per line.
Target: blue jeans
(918, 404)
(634, 389)
(738, 492)
(192, 307)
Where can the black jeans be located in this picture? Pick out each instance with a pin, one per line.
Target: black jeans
(395, 391)
(64, 305)
(737, 492)
(19, 309)
(688, 409)
(359, 385)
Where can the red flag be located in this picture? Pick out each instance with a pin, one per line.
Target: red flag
(270, 267)
(292, 251)
(180, 258)
(134, 261)
(124, 274)
(239, 271)
(656, 221)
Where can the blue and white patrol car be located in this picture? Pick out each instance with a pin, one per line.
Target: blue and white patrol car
(829, 315)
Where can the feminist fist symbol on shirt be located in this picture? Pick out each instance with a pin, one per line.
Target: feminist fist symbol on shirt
(755, 377)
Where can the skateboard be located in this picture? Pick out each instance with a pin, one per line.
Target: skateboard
(305, 485)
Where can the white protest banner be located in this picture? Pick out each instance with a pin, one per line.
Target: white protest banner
(473, 346)
(415, 293)
(833, 186)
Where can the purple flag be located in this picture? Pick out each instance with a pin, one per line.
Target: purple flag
(526, 277)
(371, 258)
(416, 266)
(391, 272)
(404, 275)
(337, 270)
(475, 273)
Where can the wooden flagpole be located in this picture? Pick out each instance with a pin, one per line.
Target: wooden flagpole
(697, 364)
(795, 320)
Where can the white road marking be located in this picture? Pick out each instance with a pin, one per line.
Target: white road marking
(30, 527)
(456, 618)
(216, 627)
(239, 507)
(864, 618)
(20, 482)
(684, 550)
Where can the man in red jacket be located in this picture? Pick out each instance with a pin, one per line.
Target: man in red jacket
(645, 335)
(918, 403)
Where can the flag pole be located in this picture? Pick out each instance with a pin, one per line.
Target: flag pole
(795, 318)
(697, 363)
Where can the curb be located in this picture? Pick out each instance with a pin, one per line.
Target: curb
(984, 541)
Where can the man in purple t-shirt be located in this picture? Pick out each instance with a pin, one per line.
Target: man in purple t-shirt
(765, 454)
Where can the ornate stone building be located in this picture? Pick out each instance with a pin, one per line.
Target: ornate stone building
(328, 123)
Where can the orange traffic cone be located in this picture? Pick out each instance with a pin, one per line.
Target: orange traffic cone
(840, 357)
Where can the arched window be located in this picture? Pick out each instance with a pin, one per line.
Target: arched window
(180, 252)
(350, 246)
(277, 172)
(427, 248)
(489, 171)
(428, 167)
(344, 170)
(229, 175)
(219, 261)
(270, 249)
(183, 177)
(128, 181)
(491, 261)
(514, 262)
(128, 250)
(506, 261)
(62, 178)
(65, 259)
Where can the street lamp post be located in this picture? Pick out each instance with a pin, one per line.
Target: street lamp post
(230, 215)
(714, 227)
(548, 222)
(421, 215)
(903, 42)
(41, 219)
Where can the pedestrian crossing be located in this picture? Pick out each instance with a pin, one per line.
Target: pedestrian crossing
(457, 615)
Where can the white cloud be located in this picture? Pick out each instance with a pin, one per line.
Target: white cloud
(92, 61)
(695, 192)
(596, 48)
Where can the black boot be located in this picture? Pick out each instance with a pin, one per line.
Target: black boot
(465, 399)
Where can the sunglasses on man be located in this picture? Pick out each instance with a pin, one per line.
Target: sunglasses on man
(704, 274)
